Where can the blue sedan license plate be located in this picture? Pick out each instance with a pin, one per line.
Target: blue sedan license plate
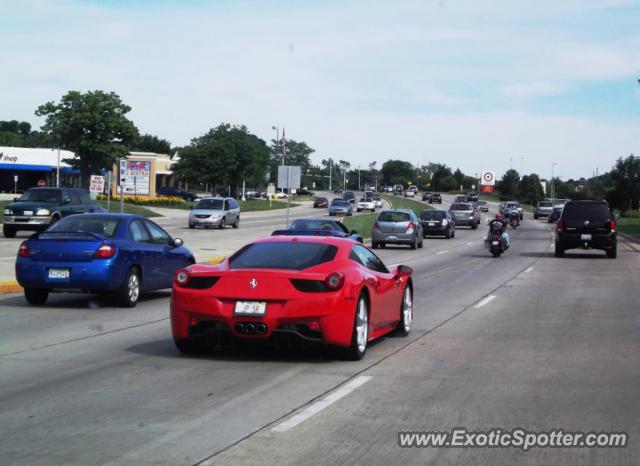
(59, 274)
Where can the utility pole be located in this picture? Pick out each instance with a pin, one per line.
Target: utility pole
(330, 175)
(521, 167)
(359, 189)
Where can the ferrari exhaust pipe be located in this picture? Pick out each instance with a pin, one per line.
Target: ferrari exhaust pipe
(261, 329)
(250, 329)
(239, 328)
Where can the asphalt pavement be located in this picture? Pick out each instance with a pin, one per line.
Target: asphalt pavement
(525, 340)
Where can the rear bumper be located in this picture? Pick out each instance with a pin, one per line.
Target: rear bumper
(574, 241)
(437, 230)
(102, 275)
(192, 310)
(465, 221)
(392, 238)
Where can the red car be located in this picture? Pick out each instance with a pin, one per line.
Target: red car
(323, 289)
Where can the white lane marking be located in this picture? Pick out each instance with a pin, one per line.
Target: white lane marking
(469, 243)
(485, 301)
(528, 270)
(441, 252)
(318, 406)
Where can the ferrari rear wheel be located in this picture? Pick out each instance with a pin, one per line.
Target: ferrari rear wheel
(406, 312)
(360, 335)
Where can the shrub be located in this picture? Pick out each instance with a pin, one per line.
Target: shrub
(153, 201)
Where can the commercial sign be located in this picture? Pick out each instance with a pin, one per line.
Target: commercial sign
(134, 177)
(96, 185)
(488, 179)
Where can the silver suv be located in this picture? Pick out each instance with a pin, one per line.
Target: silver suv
(465, 213)
(397, 226)
(543, 209)
(215, 212)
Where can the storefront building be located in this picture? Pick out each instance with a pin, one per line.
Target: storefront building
(22, 168)
(142, 174)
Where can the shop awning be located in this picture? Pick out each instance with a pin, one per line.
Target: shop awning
(30, 168)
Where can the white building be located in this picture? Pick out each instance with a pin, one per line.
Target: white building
(22, 168)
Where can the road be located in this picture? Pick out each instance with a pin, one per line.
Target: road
(526, 340)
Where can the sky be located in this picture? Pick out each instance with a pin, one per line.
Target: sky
(476, 84)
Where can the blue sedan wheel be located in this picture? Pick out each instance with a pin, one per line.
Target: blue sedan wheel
(129, 292)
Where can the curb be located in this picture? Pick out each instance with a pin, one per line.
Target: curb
(13, 287)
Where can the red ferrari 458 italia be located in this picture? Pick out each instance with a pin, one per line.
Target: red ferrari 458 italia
(324, 289)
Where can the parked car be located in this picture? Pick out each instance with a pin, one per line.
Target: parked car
(340, 207)
(542, 209)
(377, 201)
(349, 196)
(322, 202)
(586, 225)
(427, 196)
(319, 227)
(397, 226)
(177, 192)
(366, 203)
(119, 254)
(472, 197)
(555, 214)
(437, 222)
(38, 208)
(463, 213)
(328, 290)
(436, 198)
(483, 206)
(215, 212)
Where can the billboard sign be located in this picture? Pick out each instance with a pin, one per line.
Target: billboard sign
(134, 177)
(488, 178)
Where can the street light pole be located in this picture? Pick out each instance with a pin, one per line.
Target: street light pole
(359, 189)
(552, 182)
(330, 174)
(521, 167)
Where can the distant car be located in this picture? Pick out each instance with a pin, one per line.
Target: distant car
(215, 212)
(436, 198)
(472, 197)
(38, 208)
(320, 202)
(555, 214)
(397, 226)
(326, 290)
(366, 203)
(304, 192)
(398, 189)
(483, 206)
(319, 227)
(337, 191)
(176, 192)
(377, 201)
(251, 194)
(349, 196)
(543, 209)
(340, 207)
(427, 196)
(462, 198)
(118, 254)
(368, 193)
(411, 191)
(463, 213)
(509, 206)
(437, 222)
(586, 225)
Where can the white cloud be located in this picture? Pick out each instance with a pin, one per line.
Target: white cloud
(532, 90)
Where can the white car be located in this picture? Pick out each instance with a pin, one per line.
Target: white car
(410, 193)
(377, 202)
(366, 203)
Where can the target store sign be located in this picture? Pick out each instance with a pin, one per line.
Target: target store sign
(488, 178)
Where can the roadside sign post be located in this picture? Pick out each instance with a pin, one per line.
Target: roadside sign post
(123, 166)
(15, 184)
(289, 178)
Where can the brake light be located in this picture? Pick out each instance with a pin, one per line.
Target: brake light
(105, 251)
(334, 281)
(560, 224)
(182, 277)
(613, 225)
(24, 250)
(410, 227)
(376, 226)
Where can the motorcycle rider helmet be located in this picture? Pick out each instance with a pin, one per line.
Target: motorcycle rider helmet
(499, 216)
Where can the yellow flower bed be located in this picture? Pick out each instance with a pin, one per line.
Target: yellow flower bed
(153, 201)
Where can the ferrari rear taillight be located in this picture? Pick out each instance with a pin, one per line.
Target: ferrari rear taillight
(24, 250)
(560, 224)
(105, 251)
(182, 277)
(410, 227)
(613, 225)
(334, 281)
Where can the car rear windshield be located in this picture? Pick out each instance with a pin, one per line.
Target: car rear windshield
(586, 211)
(394, 217)
(544, 204)
(303, 224)
(432, 215)
(42, 195)
(85, 224)
(209, 204)
(461, 207)
(288, 255)
(339, 203)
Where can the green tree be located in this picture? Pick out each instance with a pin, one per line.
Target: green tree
(397, 172)
(459, 176)
(297, 154)
(93, 125)
(224, 156)
(439, 172)
(625, 194)
(151, 143)
(530, 190)
(448, 183)
(508, 185)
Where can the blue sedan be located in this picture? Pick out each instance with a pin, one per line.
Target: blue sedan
(119, 254)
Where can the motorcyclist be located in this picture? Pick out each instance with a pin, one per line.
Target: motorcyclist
(514, 216)
(503, 230)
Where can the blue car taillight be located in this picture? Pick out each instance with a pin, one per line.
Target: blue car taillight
(105, 251)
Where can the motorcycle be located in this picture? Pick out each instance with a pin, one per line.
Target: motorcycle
(514, 219)
(494, 242)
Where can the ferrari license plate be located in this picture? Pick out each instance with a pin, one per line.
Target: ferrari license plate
(392, 237)
(585, 237)
(59, 273)
(251, 308)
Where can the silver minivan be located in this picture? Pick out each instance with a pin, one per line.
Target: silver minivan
(215, 212)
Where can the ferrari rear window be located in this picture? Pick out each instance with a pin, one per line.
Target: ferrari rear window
(289, 255)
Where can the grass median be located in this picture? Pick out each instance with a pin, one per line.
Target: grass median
(629, 226)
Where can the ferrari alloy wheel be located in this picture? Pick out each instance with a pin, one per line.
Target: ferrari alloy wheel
(406, 312)
(360, 334)
(129, 293)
